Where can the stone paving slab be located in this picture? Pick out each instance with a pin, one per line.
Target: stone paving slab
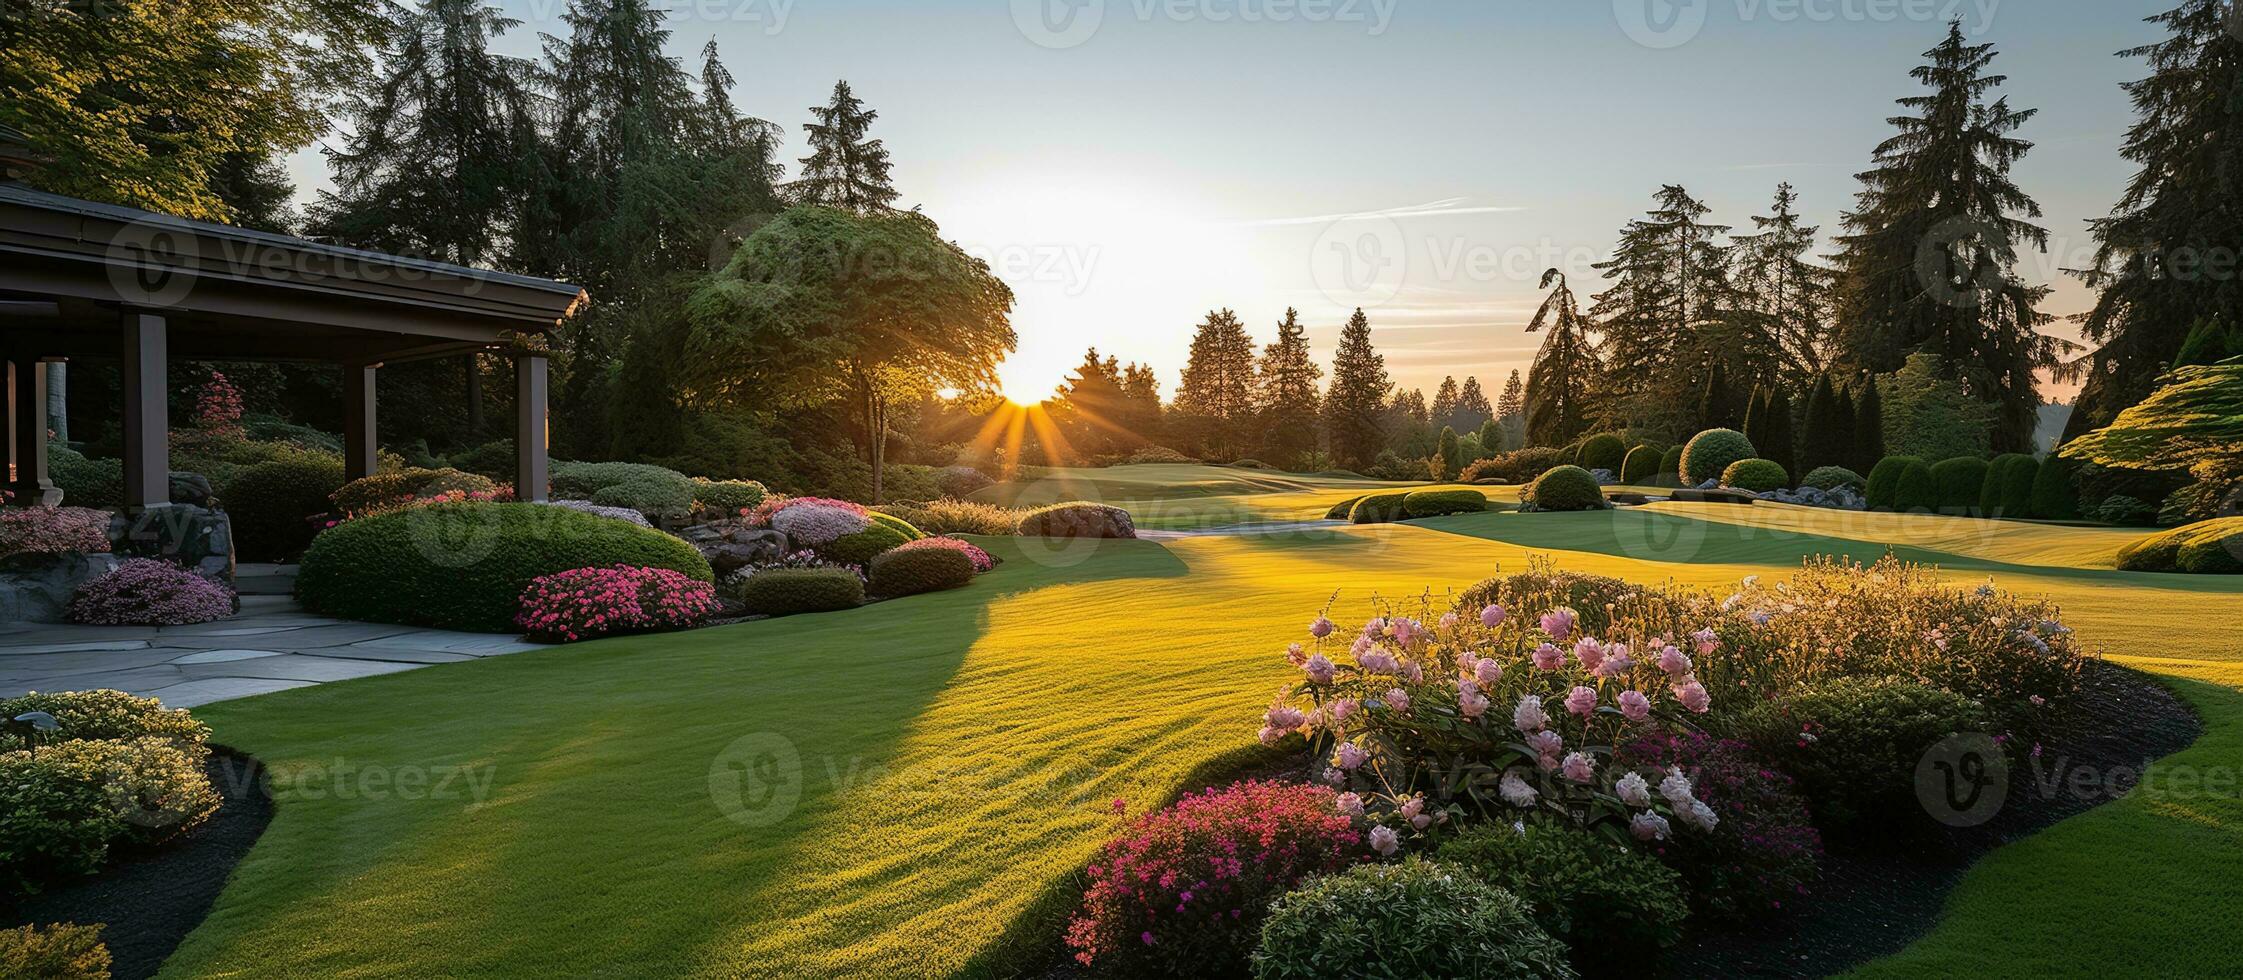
(83, 662)
(296, 667)
(195, 694)
(136, 680)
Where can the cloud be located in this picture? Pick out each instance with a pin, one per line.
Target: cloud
(1433, 209)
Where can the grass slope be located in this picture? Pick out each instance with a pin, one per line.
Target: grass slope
(953, 756)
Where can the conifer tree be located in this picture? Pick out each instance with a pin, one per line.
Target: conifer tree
(1788, 294)
(1817, 443)
(1928, 261)
(1141, 408)
(1667, 317)
(1565, 371)
(1512, 403)
(1356, 401)
(1088, 407)
(1869, 427)
(1217, 388)
(1450, 450)
(1775, 440)
(1444, 402)
(1842, 425)
(1472, 408)
(1286, 394)
(1756, 415)
(845, 168)
(2180, 211)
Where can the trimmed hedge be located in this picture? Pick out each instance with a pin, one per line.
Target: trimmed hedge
(1565, 488)
(1828, 478)
(1914, 490)
(1756, 475)
(647, 495)
(1956, 483)
(1380, 508)
(463, 566)
(1859, 771)
(902, 573)
(1884, 481)
(582, 480)
(2008, 490)
(2213, 547)
(1077, 520)
(1603, 451)
(1642, 464)
(728, 497)
(1436, 503)
(370, 492)
(1340, 510)
(2055, 497)
(865, 545)
(1709, 453)
(84, 481)
(785, 591)
(274, 506)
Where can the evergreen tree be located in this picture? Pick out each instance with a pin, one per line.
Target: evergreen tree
(1928, 263)
(1667, 317)
(1818, 445)
(1869, 428)
(1409, 424)
(1493, 438)
(1565, 371)
(1217, 388)
(1141, 408)
(256, 191)
(1356, 400)
(844, 169)
(1789, 295)
(1512, 403)
(1286, 394)
(1756, 415)
(1718, 406)
(1472, 408)
(1088, 407)
(1775, 440)
(2181, 209)
(1842, 424)
(1450, 450)
(1444, 402)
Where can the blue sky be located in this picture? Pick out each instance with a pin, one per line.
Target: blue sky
(1130, 164)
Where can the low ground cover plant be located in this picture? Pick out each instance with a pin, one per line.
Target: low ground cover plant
(587, 603)
(60, 951)
(149, 592)
(53, 530)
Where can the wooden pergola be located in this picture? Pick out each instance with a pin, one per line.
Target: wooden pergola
(81, 279)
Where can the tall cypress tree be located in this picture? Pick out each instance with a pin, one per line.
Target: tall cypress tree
(1842, 424)
(2182, 207)
(1565, 371)
(1356, 401)
(845, 168)
(1775, 440)
(1788, 295)
(1928, 263)
(1869, 427)
(1217, 389)
(1817, 441)
(1286, 394)
(1666, 317)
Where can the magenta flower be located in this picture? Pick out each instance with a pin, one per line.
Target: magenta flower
(1559, 623)
(1492, 616)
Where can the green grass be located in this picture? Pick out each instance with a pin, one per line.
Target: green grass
(1197, 496)
(957, 752)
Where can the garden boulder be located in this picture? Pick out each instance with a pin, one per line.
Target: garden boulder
(731, 545)
(36, 588)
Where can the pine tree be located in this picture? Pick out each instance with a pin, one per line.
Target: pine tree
(1869, 428)
(1450, 451)
(1788, 294)
(1928, 263)
(1818, 446)
(1472, 408)
(1775, 440)
(1409, 424)
(1512, 403)
(1217, 388)
(844, 169)
(1141, 408)
(1667, 318)
(2182, 208)
(1565, 371)
(1286, 395)
(1356, 400)
(1087, 408)
(1444, 402)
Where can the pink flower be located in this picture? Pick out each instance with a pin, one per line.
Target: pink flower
(1635, 705)
(1589, 652)
(1350, 804)
(1529, 716)
(1448, 621)
(1321, 628)
(1492, 616)
(1515, 791)
(1582, 701)
(1351, 756)
(1548, 657)
(1488, 672)
(1406, 630)
(1412, 672)
(1377, 660)
(1295, 655)
(1385, 841)
(1633, 790)
(1694, 697)
(1559, 623)
(1648, 827)
(1338, 710)
(1398, 699)
(1579, 767)
(1674, 662)
(1704, 641)
(1547, 744)
(1470, 701)
(1319, 669)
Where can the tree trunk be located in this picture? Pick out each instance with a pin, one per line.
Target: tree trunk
(876, 425)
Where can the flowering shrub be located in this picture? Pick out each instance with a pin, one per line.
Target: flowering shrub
(804, 558)
(69, 802)
(218, 405)
(625, 514)
(981, 560)
(53, 530)
(813, 521)
(147, 592)
(1854, 743)
(1183, 890)
(61, 951)
(1415, 919)
(1764, 851)
(104, 714)
(383, 492)
(1611, 906)
(583, 603)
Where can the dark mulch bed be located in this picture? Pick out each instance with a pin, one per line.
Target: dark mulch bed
(151, 899)
(1872, 902)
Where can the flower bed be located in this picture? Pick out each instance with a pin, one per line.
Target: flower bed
(585, 603)
(119, 770)
(53, 530)
(148, 592)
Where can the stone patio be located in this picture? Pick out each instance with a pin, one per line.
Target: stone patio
(271, 645)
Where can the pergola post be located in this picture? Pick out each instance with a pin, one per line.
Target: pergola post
(147, 419)
(358, 421)
(531, 431)
(27, 433)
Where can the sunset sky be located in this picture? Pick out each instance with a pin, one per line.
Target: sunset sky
(1128, 165)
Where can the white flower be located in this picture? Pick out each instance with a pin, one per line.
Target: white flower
(1698, 815)
(1385, 841)
(1633, 790)
(1676, 788)
(1515, 791)
(1529, 716)
(1648, 826)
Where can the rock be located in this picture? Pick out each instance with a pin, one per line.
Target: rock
(199, 538)
(1713, 497)
(36, 588)
(730, 545)
(192, 489)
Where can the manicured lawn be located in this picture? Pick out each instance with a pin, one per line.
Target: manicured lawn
(957, 753)
(1193, 496)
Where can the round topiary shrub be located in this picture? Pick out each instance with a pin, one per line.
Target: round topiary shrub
(1078, 520)
(1670, 464)
(277, 507)
(1603, 451)
(148, 592)
(1610, 905)
(1914, 490)
(582, 480)
(1436, 503)
(1883, 487)
(1564, 488)
(1341, 510)
(1956, 484)
(2212, 547)
(1642, 464)
(786, 591)
(980, 559)
(370, 493)
(464, 565)
(1379, 508)
(917, 570)
(2008, 490)
(1414, 919)
(862, 546)
(1756, 475)
(1853, 744)
(1708, 454)
(2055, 496)
(1828, 478)
(587, 603)
(728, 497)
